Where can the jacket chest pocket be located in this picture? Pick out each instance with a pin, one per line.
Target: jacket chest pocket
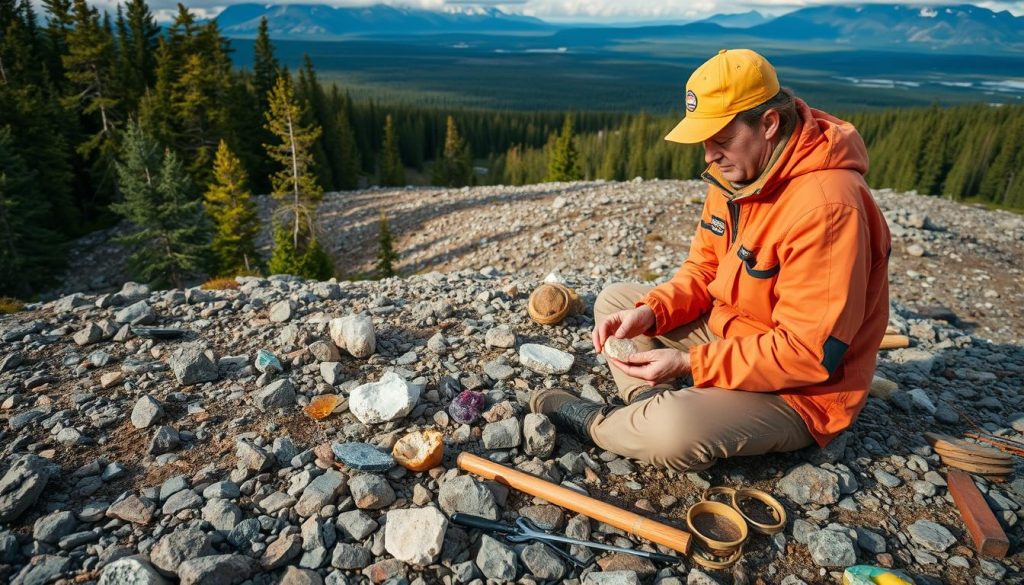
(757, 274)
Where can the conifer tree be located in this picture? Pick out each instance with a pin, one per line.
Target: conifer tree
(236, 225)
(170, 240)
(455, 168)
(138, 50)
(29, 254)
(265, 68)
(562, 158)
(295, 185)
(89, 64)
(392, 173)
(348, 152)
(386, 254)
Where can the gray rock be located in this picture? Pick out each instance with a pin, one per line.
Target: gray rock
(437, 344)
(501, 337)
(22, 485)
(183, 500)
(281, 311)
(831, 548)
(697, 577)
(496, 560)
(807, 484)
(280, 552)
(217, 570)
(133, 509)
(499, 369)
(615, 578)
(27, 417)
(296, 576)
(415, 535)
(363, 457)
(348, 556)
(251, 456)
(244, 534)
(356, 524)
(887, 479)
(541, 562)
(545, 360)
(538, 435)
(869, 541)
(165, 439)
(331, 372)
(276, 501)
(54, 526)
(132, 570)
(466, 495)
(227, 490)
(191, 365)
(371, 492)
(11, 361)
(278, 394)
(931, 536)
(503, 434)
(222, 514)
(88, 335)
(139, 313)
(325, 351)
(179, 546)
(317, 537)
(321, 492)
(147, 411)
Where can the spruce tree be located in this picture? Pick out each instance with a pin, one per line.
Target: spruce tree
(169, 243)
(230, 205)
(89, 64)
(562, 158)
(392, 173)
(265, 68)
(295, 186)
(386, 254)
(29, 254)
(455, 168)
(348, 152)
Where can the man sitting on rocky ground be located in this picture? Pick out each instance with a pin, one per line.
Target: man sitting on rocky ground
(779, 309)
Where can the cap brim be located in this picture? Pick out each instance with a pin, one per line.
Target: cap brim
(692, 130)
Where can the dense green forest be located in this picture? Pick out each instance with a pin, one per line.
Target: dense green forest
(90, 102)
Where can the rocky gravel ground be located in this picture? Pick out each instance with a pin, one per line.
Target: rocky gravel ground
(126, 459)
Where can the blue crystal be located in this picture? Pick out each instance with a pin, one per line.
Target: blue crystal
(267, 362)
(363, 457)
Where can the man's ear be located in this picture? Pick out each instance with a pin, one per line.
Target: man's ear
(770, 123)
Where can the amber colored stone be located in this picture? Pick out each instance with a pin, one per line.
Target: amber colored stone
(321, 407)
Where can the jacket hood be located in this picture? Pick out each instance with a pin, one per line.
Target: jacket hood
(819, 142)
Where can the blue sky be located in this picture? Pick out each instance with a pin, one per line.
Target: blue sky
(582, 10)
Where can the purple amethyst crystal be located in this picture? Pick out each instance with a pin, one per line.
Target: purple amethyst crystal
(467, 406)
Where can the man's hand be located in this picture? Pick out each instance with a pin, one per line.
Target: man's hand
(656, 366)
(624, 325)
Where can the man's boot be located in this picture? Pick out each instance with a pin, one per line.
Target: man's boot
(568, 411)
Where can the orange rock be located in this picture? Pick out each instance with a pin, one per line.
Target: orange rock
(321, 407)
(419, 450)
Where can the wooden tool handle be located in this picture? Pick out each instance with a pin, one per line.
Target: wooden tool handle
(673, 538)
(988, 535)
(894, 342)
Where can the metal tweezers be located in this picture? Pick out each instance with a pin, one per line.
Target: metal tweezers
(525, 530)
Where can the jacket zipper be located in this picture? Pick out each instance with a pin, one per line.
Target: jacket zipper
(734, 213)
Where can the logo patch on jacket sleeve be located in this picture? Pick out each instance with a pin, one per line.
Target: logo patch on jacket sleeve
(717, 225)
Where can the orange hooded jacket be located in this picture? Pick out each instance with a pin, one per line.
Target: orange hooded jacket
(794, 271)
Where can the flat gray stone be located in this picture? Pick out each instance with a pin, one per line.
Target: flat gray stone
(356, 524)
(54, 526)
(348, 556)
(464, 494)
(808, 484)
(363, 456)
(22, 485)
(277, 394)
(147, 411)
(371, 492)
(831, 548)
(496, 560)
(503, 434)
(218, 570)
(545, 360)
(179, 546)
(932, 536)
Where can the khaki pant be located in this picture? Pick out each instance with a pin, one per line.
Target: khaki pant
(689, 428)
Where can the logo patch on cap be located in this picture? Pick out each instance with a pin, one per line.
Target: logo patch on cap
(691, 100)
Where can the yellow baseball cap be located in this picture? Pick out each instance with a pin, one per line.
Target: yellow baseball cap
(731, 82)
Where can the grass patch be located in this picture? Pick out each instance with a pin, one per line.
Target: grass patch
(221, 283)
(10, 305)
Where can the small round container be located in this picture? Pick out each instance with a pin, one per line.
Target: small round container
(758, 523)
(717, 528)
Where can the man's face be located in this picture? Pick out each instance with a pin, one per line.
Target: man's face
(741, 152)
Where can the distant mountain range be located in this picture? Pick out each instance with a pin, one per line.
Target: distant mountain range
(953, 27)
